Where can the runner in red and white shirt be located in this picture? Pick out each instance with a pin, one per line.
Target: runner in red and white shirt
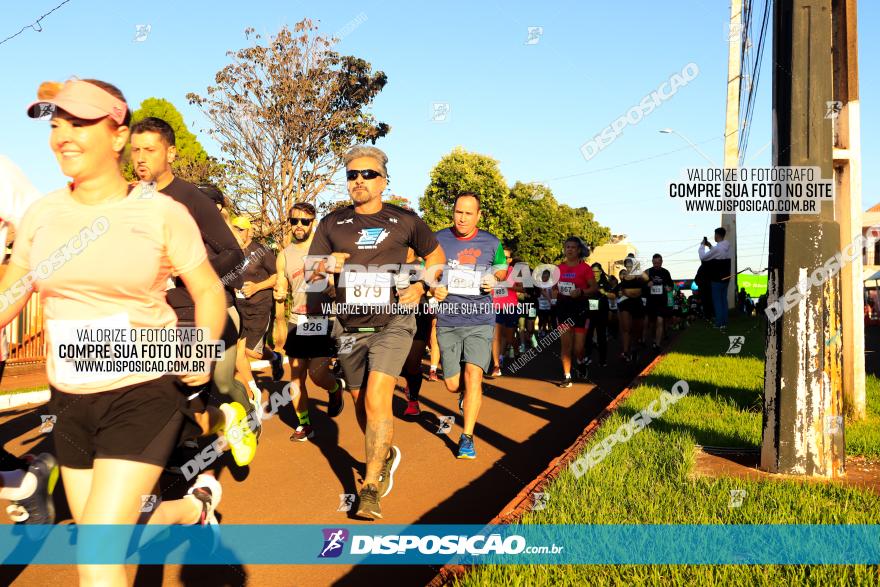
(576, 284)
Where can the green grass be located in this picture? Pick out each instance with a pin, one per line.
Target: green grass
(25, 389)
(863, 438)
(648, 479)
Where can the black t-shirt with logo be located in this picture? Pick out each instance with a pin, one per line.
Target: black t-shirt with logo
(371, 240)
(259, 264)
(658, 278)
(224, 253)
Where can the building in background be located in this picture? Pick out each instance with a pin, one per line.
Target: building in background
(612, 254)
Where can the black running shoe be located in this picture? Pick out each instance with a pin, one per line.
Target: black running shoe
(368, 503)
(277, 363)
(335, 400)
(386, 476)
(38, 507)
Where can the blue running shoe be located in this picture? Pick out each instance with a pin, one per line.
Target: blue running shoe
(38, 508)
(466, 447)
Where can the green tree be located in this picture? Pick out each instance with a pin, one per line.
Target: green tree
(544, 224)
(539, 239)
(527, 217)
(283, 113)
(462, 171)
(193, 163)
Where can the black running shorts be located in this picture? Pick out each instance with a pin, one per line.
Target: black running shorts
(633, 306)
(576, 314)
(658, 306)
(254, 324)
(299, 346)
(423, 326)
(138, 423)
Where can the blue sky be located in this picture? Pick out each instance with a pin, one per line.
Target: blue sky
(530, 106)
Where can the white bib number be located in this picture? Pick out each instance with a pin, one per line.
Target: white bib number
(368, 289)
(499, 291)
(533, 312)
(566, 287)
(313, 326)
(656, 290)
(543, 304)
(464, 282)
(594, 304)
(612, 304)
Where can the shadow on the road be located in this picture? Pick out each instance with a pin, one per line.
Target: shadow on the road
(343, 465)
(483, 498)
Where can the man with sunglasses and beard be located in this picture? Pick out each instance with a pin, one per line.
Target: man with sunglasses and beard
(307, 341)
(372, 327)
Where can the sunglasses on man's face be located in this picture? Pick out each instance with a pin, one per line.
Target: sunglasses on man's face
(303, 221)
(352, 174)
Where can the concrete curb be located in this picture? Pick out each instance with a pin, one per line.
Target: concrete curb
(14, 400)
(520, 504)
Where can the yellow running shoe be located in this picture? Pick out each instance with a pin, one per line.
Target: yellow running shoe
(241, 439)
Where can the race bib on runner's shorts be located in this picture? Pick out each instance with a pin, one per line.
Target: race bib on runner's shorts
(499, 291)
(594, 304)
(656, 290)
(612, 304)
(313, 326)
(533, 312)
(566, 287)
(543, 304)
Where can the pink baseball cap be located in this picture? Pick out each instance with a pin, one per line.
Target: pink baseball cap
(83, 100)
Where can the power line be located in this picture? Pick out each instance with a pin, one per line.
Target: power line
(36, 24)
(627, 163)
(753, 66)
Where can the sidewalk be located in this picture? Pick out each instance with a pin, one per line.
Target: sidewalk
(23, 376)
(525, 422)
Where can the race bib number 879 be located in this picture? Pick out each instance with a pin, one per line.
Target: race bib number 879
(368, 289)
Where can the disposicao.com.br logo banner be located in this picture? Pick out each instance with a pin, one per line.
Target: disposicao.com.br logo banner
(442, 544)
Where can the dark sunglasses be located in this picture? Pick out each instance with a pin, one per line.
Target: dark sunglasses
(352, 174)
(303, 221)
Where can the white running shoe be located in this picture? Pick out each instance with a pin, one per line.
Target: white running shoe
(208, 491)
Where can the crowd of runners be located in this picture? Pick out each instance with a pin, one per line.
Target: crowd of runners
(358, 298)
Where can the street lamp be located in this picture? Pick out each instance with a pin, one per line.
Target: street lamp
(668, 131)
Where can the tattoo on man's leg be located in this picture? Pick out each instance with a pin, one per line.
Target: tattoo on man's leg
(378, 440)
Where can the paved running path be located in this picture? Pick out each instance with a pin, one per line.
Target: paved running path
(525, 422)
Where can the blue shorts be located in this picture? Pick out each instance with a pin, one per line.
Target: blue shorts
(507, 320)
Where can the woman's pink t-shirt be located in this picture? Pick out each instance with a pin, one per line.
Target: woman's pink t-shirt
(92, 262)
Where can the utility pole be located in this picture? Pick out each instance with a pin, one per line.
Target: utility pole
(844, 111)
(732, 130)
(803, 428)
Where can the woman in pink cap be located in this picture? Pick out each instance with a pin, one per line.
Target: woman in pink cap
(99, 254)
